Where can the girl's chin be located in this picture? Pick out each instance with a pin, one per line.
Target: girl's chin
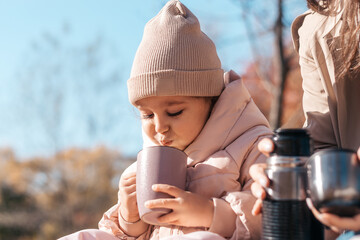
(181, 148)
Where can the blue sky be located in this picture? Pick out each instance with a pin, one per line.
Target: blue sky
(84, 113)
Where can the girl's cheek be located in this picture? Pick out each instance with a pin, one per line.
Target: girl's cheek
(147, 127)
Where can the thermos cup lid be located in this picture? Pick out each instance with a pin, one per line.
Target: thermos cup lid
(291, 142)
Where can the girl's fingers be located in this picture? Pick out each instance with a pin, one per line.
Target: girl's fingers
(169, 203)
(133, 195)
(257, 207)
(127, 180)
(170, 218)
(131, 201)
(257, 172)
(125, 196)
(126, 191)
(258, 191)
(129, 175)
(129, 189)
(165, 188)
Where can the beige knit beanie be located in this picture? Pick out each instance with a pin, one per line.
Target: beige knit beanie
(175, 58)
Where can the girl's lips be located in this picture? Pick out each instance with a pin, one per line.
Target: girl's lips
(165, 143)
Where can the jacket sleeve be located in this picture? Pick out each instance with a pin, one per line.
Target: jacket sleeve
(242, 202)
(315, 77)
(226, 175)
(113, 223)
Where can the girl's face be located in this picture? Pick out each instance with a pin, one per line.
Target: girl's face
(173, 121)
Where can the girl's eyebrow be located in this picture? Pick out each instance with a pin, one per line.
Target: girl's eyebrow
(171, 103)
(166, 104)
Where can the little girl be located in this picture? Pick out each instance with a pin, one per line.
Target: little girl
(186, 102)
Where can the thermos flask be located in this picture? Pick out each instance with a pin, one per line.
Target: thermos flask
(285, 213)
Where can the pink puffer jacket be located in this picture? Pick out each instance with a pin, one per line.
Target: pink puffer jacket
(218, 165)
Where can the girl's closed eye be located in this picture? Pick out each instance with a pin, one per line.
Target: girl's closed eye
(175, 113)
(147, 116)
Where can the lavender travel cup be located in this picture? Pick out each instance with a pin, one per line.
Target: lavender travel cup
(158, 164)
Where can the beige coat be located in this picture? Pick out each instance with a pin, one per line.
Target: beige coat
(331, 105)
(218, 165)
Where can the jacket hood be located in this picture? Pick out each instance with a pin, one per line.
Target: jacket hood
(226, 122)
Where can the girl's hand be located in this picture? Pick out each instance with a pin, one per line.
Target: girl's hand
(188, 209)
(336, 223)
(257, 172)
(127, 193)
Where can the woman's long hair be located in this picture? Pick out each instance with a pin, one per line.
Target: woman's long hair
(350, 29)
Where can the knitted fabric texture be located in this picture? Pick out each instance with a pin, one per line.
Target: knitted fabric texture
(175, 58)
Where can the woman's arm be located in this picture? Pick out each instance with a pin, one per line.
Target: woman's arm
(318, 93)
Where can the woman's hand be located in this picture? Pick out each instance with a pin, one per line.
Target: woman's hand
(336, 223)
(257, 172)
(188, 209)
(127, 193)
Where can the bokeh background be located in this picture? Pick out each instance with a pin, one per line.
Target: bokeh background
(67, 130)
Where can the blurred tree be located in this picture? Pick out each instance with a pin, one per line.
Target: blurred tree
(265, 23)
(45, 198)
(292, 113)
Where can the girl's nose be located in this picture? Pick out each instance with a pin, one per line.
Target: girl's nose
(161, 124)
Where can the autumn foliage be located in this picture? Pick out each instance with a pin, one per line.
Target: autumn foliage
(45, 198)
(260, 89)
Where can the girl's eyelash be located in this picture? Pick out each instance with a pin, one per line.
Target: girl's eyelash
(175, 114)
(147, 116)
